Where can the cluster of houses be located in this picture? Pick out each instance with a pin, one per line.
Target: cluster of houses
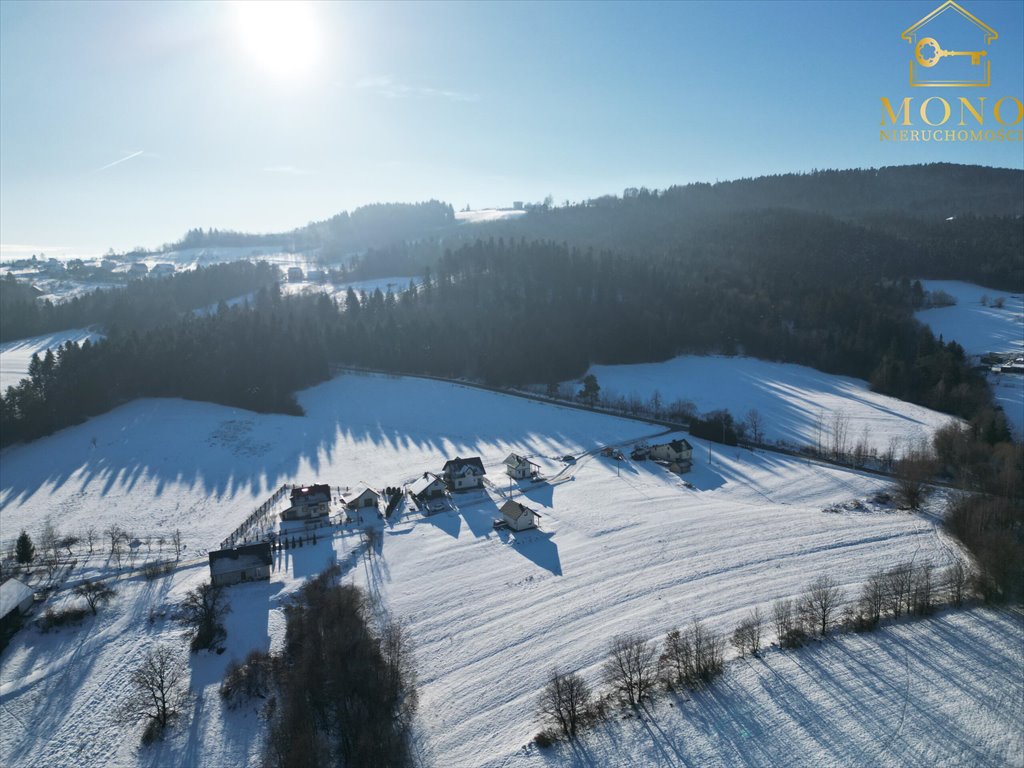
(314, 502)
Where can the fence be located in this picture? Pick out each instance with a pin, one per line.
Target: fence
(259, 518)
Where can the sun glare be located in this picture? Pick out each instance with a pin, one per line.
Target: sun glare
(281, 36)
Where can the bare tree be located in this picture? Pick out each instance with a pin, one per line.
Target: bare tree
(176, 543)
(873, 599)
(898, 582)
(923, 589)
(911, 488)
(96, 593)
(565, 700)
(90, 537)
(840, 435)
(156, 693)
(823, 600)
(786, 625)
(49, 546)
(693, 656)
(755, 424)
(68, 542)
(747, 635)
(203, 611)
(630, 668)
(956, 581)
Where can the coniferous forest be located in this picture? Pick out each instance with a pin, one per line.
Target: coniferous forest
(539, 299)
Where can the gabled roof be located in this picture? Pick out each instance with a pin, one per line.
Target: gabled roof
(911, 32)
(358, 493)
(514, 510)
(12, 593)
(244, 553)
(680, 445)
(515, 460)
(421, 484)
(458, 464)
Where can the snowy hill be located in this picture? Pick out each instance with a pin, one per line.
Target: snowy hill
(797, 404)
(621, 546)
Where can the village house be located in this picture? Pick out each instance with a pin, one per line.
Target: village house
(162, 270)
(519, 517)
(519, 467)
(248, 562)
(15, 599)
(295, 274)
(138, 269)
(361, 498)
(309, 502)
(677, 452)
(428, 487)
(460, 473)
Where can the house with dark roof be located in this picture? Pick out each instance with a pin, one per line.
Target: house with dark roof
(678, 452)
(519, 467)
(460, 474)
(248, 562)
(519, 517)
(309, 502)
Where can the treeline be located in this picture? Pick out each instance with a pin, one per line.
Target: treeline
(514, 314)
(249, 357)
(340, 693)
(692, 657)
(141, 305)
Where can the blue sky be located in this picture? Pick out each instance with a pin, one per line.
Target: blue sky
(126, 124)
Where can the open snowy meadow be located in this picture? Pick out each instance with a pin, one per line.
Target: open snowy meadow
(797, 404)
(623, 546)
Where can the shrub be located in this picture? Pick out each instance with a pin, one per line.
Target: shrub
(545, 738)
(53, 619)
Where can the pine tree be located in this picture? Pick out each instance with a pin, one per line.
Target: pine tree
(25, 550)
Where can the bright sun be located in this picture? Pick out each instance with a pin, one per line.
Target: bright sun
(281, 36)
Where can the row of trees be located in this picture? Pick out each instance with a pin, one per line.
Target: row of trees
(692, 657)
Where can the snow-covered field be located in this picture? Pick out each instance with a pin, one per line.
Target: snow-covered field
(981, 328)
(622, 547)
(797, 405)
(16, 355)
(943, 692)
(976, 327)
(487, 214)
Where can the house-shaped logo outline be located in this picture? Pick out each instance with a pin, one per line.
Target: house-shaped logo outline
(910, 35)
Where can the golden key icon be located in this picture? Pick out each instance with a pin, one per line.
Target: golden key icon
(932, 60)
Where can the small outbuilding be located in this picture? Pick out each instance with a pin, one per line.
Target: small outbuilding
(519, 517)
(519, 467)
(15, 598)
(460, 473)
(428, 487)
(248, 562)
(361, 498)
(295, 274)
(309, 502)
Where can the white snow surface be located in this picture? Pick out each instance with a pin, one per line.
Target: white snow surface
(944, 692)
(16, 355)
(487, 214)
(797, 404)
(974, 326)
(622, 547)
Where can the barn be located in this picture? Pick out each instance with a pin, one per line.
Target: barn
(248, 562)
